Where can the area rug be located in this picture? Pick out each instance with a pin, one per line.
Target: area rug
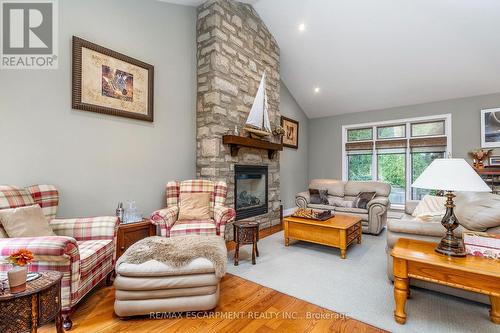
(357, 286)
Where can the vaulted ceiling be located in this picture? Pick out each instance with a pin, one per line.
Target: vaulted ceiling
(366, 55)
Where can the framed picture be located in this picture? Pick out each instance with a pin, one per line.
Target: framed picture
(494, 160)
(291, 137)
(490, 128)
(109, 82)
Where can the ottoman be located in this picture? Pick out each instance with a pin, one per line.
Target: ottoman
(155, 286)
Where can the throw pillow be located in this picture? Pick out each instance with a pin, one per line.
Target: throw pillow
(194, 206)
(318, 197)
(429, 207)
(335, 201)
(479, 215)
(27, 221)
(363, 199)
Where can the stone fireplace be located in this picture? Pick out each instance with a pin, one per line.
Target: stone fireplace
(234, 49)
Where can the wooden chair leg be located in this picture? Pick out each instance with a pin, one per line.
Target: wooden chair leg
(237, 254)
(253, 253)
(110, 278)
(67, 323)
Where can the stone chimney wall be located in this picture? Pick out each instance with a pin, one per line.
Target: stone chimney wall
(234, 50)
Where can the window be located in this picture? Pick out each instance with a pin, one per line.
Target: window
(420, 159)
(389, 132)
(392, 169)
(360, 165)
(398, 153)
(360, 134)
(427, 128)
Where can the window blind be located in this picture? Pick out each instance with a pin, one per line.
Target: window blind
(350, 146)
(386, 144)
(428, 142)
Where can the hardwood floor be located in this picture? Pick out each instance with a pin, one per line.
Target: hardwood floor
(254, 308)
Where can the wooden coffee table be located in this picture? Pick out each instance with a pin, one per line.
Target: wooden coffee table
(417, 260)
(339, 231)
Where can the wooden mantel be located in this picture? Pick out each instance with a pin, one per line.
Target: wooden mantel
(236, 142)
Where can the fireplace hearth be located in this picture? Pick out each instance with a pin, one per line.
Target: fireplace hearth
(250, 190)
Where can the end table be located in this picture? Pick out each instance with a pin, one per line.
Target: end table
(245, 232)
(416, 259)
(129, 233)
(37, 305)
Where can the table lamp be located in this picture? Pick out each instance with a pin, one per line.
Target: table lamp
(450, 174)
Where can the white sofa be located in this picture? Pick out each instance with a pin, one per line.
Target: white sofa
(341, 193)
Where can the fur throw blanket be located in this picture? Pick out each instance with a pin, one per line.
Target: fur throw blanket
(178, 251)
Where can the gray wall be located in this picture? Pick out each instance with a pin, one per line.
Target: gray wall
(325, 140)
(294, 162)
(97, 160)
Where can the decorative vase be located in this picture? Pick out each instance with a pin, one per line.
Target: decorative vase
(478, 164)
(17, 279)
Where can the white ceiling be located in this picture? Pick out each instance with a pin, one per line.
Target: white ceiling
(199, 2)
(368, 55)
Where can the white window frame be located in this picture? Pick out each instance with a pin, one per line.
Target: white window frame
(407, 121)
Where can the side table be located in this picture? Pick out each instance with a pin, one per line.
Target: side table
(37, 305)
(130, 233)
(416, 259)
(245, 233)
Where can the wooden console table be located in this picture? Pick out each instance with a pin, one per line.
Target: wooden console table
(491, 175)
(417, 260)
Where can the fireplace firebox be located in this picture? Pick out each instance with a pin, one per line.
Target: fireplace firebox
(250, 190)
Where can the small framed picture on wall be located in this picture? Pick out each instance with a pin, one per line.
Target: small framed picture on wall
(494, 161)
(490, 128)
(291, 136)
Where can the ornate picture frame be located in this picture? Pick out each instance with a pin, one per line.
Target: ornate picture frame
(109, 82)
(490, 128)
(291, 137)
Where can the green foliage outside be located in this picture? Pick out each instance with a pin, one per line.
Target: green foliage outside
(420, 161)
(435, 128)
(360, 167)
(391, 167)
(391, 132)
(359, 134)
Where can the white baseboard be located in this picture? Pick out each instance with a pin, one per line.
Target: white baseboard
(288, 212)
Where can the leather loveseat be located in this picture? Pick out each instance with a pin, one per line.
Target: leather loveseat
(341, 194)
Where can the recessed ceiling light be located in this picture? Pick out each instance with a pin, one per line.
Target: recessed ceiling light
(316, 90)
(302, 27)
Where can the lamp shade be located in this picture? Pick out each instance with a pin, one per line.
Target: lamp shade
(451, 174)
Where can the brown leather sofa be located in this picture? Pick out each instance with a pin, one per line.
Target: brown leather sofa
(474, 211)
(342, 193)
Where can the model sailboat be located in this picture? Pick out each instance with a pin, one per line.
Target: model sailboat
(257, 123)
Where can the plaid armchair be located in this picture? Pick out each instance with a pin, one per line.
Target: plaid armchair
(83, 250)
(166, 218)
